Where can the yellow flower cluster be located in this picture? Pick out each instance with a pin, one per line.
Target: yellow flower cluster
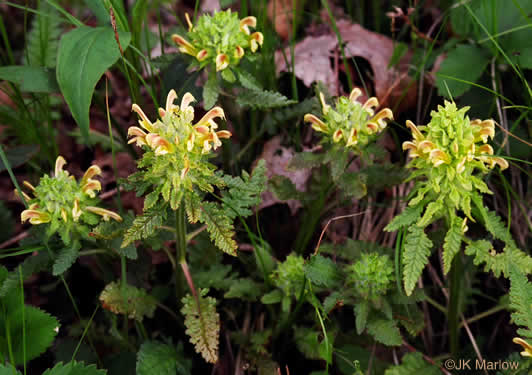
(350, 122)
(175, 133)
(60, 196)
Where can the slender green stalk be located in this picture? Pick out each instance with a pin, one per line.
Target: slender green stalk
(180, 247)
(453, 315)
(11, 175)
(84, 333)
(23, 319)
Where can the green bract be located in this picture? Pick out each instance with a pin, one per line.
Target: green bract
(449, 151)
(371, 275)
(220, 40)
(351, 123)
(66, 204)
(176, 157)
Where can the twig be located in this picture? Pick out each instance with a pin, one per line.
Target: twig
(14, 240)
(329, 222)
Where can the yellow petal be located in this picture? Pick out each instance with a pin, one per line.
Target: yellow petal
(528, 348)
(93, 170)
(381, 116)
(145, 122)
(246, 22)
(239, 52)
(187, 18)
(170, 99)
(256, 40)
(35, 216)
(324, 106)
(186, 100)
(353, 96)
(106, 214)
(28, 185)
(224, 134)
(213, 113)
(60, 162)
(222, 62)
(64, 215)
(76, 211)
(370, 104)
(337, 136)
(184, 45)
(317, 124)
(26, 196)
(90, 187)
(352, 139)
(202, 55)
(415, 131)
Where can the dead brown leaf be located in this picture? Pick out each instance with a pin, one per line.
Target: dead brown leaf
(312, 61)
(277, 157)
(313, 57)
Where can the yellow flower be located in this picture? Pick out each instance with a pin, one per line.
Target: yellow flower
(528, 348)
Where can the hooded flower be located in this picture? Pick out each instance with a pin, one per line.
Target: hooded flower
(450, 150)
(220, 40)
(350, 123)
(64, 202)
(177, 148)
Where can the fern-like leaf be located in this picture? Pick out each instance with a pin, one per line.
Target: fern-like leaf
(385, 331)
(415, 256)
(203, 324)
(281, 116)
(144, 226)
(410, 215)
(133, 302)
(483, 253)
(219, 226)
(66, 258)
(452, 243)
(43, 37)
(262, 99)
(521, 301)
(322, 271)
(244, 192)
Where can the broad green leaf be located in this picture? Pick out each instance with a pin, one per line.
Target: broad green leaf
(30, 78)
(322, 271)
(464, 63)
(8, 370)
(74, 368)
(210, 92)
(156, 358)
(413, 363)
(85, 53)
(385, 331)
(18, 155)
(361, 311)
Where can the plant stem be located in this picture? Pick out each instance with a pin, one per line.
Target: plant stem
(453, 315)
(181, 247)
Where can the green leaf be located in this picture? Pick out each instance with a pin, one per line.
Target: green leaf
(303, 160)
(74, 368)
(30, 265)
(9, 370)
(248, 80)
(156, 358)
(433, 209)
(521, 300)
(409, 216)
(413, 363)
(210, 92)
(385, 332)
(415, 256)
(361, 316)
(135, 303)
(322, 271)
(244, 192)
(219, 226)
(228, 75)
(43, 38)
(245, 289)
(30, 78)
(40, 327)
(144, 226)
(262, 99)
(203, 324)
(466, 62)
(452, 243)
(66, 258)
(85, 53)
(272, 297)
